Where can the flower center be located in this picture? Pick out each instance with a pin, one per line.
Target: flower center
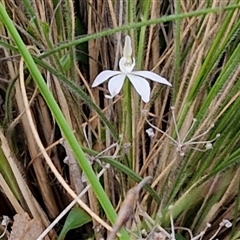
(128, 62)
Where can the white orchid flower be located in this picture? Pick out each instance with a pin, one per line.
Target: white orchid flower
(137, 78)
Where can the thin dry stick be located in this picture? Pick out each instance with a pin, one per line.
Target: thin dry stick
(127, 209)
(65, 211)
(47, 158)
(85, 82)
(103, 110)
(60, 216)
(154, 225)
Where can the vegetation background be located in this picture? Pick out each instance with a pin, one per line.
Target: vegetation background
(57, 132)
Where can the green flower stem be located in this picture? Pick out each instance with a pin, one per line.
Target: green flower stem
(127, 119)
(66, 130)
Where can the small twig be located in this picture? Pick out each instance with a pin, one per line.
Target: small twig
(127, 209)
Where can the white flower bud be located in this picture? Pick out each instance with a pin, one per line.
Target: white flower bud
(150, 132)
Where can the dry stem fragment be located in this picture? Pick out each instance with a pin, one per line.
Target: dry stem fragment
(128, 206)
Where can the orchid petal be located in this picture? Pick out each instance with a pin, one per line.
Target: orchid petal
(103, 76)
(125, 65)
(153, 76)
(115, 84)
(141, 85)
(127, 49)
